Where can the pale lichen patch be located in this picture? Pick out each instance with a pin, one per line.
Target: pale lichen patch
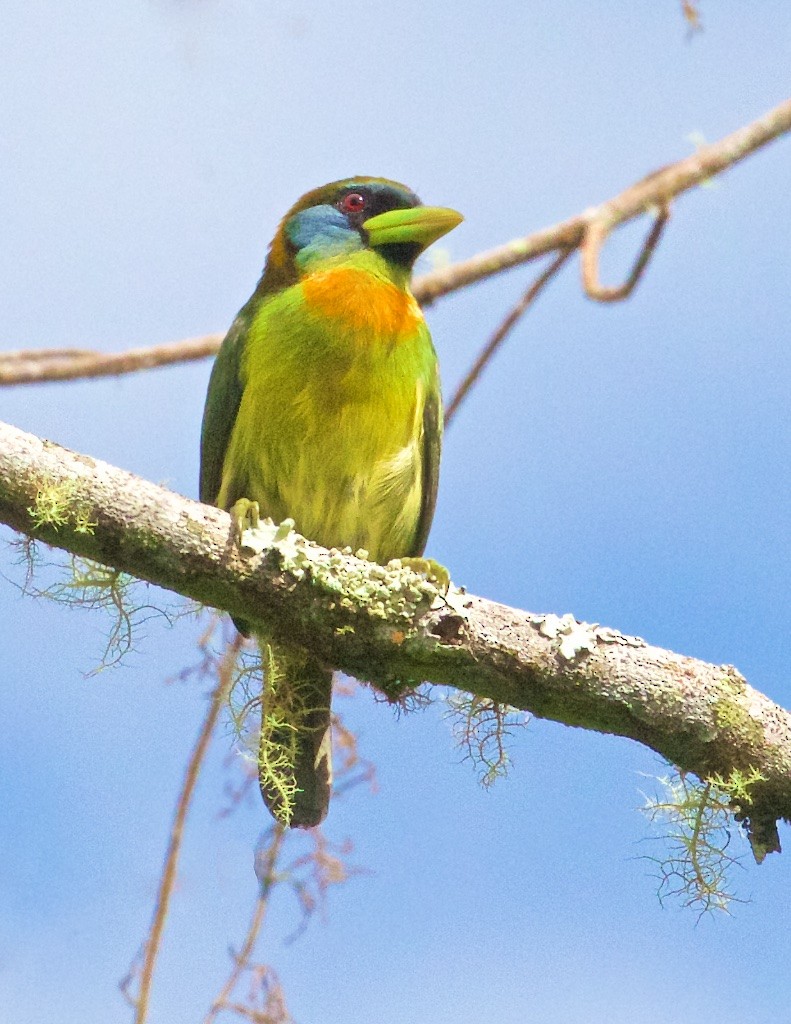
(575, 637)
(384, 592)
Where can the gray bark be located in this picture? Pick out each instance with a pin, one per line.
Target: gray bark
(391, 627)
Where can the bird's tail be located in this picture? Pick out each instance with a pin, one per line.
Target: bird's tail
(295, 749)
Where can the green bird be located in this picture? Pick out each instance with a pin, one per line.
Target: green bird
(324, 406)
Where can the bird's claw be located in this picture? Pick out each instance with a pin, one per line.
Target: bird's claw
(245, 515)
(433, 571)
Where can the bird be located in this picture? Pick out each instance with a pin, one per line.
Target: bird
(324, 407)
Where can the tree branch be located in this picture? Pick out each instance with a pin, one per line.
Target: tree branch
(167, 881)
(592, 242)
(511, 319)
(34, 366)
(654, 192)
(391, 627)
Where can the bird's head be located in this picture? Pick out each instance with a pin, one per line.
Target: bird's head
(350, 217)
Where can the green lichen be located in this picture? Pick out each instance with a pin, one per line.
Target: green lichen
(731, 715)
(193, 526)
(703, 842)
(83, 522)
(739, 786)
(482, 730)
(273, 701)
(85, 584)
(734, 680)
(391, 592)
(89, 585)
(60, 504)
(140, 538)
(282, 715)
(258, 679)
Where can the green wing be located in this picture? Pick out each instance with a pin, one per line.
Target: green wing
(222, 405)
(432, 446)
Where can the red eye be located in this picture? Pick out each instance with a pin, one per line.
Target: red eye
(352, 203)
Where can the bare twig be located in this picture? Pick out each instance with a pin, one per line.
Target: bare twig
(46, 354)
(35, 366)
(509, 322)
(592, 242)
(168, 878)
(653, 191)
(267, 879)
(310, 876)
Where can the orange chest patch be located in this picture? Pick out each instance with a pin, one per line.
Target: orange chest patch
(362, 302)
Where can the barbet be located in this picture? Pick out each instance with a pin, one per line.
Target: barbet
(324, 406)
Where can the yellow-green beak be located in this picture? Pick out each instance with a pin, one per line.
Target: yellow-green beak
(419, 225)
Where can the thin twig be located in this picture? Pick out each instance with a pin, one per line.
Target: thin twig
(37, 365)
(45, 354)
(654, 190)
(168, 877)
(511, 319)
(590, 252)
(658, 187)
(268, 879)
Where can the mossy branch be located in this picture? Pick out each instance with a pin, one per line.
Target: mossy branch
(392, 628)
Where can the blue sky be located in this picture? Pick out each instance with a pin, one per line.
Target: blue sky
(627, 463)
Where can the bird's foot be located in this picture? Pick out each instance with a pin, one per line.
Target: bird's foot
(245, 515)
(433, 571)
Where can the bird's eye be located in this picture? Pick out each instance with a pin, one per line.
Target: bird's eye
(352, 203)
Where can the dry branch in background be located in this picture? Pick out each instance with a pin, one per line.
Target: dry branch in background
(510, 320)
(392, 628)
(243, 959)
(33, 366)
(652, 193)
(590, 250)
(167, 880)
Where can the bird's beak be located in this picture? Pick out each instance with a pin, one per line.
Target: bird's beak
(418, 225)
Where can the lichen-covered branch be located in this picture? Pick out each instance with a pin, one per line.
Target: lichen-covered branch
(652, 193)
(391, 627)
